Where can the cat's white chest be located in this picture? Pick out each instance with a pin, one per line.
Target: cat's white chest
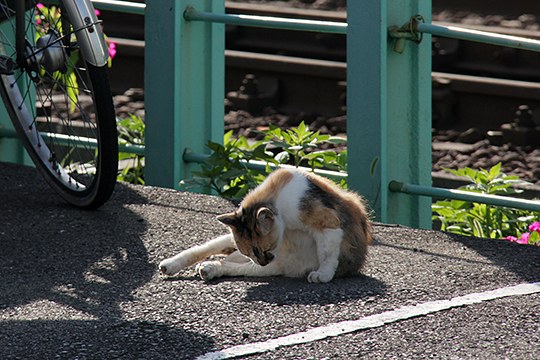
(288, 202)
(297, 253)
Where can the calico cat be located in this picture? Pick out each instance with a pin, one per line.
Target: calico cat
(294, 224)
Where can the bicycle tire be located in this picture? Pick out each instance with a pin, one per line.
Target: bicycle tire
(68, 127)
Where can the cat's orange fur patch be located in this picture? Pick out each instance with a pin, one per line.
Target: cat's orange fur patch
(352, 202)
(273, 185)
(320, 217)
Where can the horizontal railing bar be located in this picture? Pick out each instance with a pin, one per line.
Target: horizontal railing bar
(7, 133)
(496, 200)
(78, 141)
(269, 22)
(190, 156)
(479, 36)
(326, 26)
(132, 149)
(127, 7)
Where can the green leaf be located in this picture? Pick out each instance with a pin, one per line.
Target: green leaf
(495, 171)
(336, 140)
(283, 157)
(227, 137)
(534, 239)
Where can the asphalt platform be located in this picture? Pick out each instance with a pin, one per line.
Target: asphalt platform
(80, 284)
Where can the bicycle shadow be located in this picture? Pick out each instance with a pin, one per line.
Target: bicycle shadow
(67, 274)
(51, 251)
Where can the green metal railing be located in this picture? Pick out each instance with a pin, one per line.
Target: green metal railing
(479, 36)
(127, 7)
(261, 166)
(416, 27)
(389, 94)
(74, 141)
(191, 14)
(413, 30)
(269, 22)
(7, 133)
(435, 192)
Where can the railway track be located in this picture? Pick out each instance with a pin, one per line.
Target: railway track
(510, 9)
(474, 84)
(449, 55)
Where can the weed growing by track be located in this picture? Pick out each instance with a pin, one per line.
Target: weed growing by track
(482, 220)
(228, 172)
(131, 132)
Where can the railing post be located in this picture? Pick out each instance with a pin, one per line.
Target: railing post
(389, 109)
(11, 150)
(184, 91)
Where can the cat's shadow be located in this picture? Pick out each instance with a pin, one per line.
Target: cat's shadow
(289, 291)
(297, 291)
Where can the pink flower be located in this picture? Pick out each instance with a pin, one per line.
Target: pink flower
(40, 6)
(112, 49)
(511, 238)
(97, 12)
(535, 226)
(524, 239)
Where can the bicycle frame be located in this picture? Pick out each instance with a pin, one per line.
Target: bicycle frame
(92, 42)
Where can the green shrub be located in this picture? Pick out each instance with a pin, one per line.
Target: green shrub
(488, 221)
(226, 171)
(131, 132)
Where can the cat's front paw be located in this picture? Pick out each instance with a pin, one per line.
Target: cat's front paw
(209, 270)
(319, 277)
(171, 266)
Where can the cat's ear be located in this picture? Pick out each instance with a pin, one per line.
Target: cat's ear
(230, 219)
(265, 220)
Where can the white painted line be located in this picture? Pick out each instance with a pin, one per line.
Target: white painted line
(372, 321)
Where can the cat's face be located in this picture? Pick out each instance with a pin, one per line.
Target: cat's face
(255, 233)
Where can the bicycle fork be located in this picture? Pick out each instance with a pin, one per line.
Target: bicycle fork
(92, 43)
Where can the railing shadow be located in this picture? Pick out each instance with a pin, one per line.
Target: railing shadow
(522, 260)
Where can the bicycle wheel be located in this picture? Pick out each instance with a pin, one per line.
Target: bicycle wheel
(60, 105)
